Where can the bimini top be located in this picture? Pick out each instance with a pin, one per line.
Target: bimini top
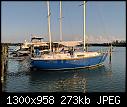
(36, 38)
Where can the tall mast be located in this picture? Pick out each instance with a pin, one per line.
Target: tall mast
(84, 26)
(49, 32)
(60, 21)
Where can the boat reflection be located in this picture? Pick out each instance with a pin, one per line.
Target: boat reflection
(65, 81)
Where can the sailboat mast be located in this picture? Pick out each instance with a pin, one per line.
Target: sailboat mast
(49, 31)
(84, 26)
(60, 20)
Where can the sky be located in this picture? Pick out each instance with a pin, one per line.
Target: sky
(105, 21)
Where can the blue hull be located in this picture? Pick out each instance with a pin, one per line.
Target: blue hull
(68, 64)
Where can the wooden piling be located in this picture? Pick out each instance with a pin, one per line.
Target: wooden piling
(4, 56)
(87, 47)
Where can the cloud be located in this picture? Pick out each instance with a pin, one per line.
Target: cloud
(101, 39)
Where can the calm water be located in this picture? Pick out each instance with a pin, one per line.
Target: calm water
(107, 78)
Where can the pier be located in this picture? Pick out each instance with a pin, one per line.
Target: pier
(4, 56)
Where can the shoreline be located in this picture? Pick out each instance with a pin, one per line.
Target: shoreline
(89, 44)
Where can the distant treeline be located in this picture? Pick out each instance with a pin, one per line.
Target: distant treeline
(114, 43)
(117, 43)
(12, 44)
(108, 44)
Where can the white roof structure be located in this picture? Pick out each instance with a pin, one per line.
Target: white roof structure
(69, 43)
(39, 44)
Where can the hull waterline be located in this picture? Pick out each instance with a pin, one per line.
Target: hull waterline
(68, 63)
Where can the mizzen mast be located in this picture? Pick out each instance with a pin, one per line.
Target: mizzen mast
(60, 20)
(49, 31)
(84, 25)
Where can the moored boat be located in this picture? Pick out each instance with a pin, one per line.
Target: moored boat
(24, 50)
(66, 61)
(70, 59)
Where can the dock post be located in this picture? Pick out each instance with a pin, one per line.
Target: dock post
(87, 47)
(110, 54)
(4, 55)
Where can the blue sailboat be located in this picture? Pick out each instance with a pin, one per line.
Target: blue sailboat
(67, 59)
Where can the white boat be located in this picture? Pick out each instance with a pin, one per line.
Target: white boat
(24, 50)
